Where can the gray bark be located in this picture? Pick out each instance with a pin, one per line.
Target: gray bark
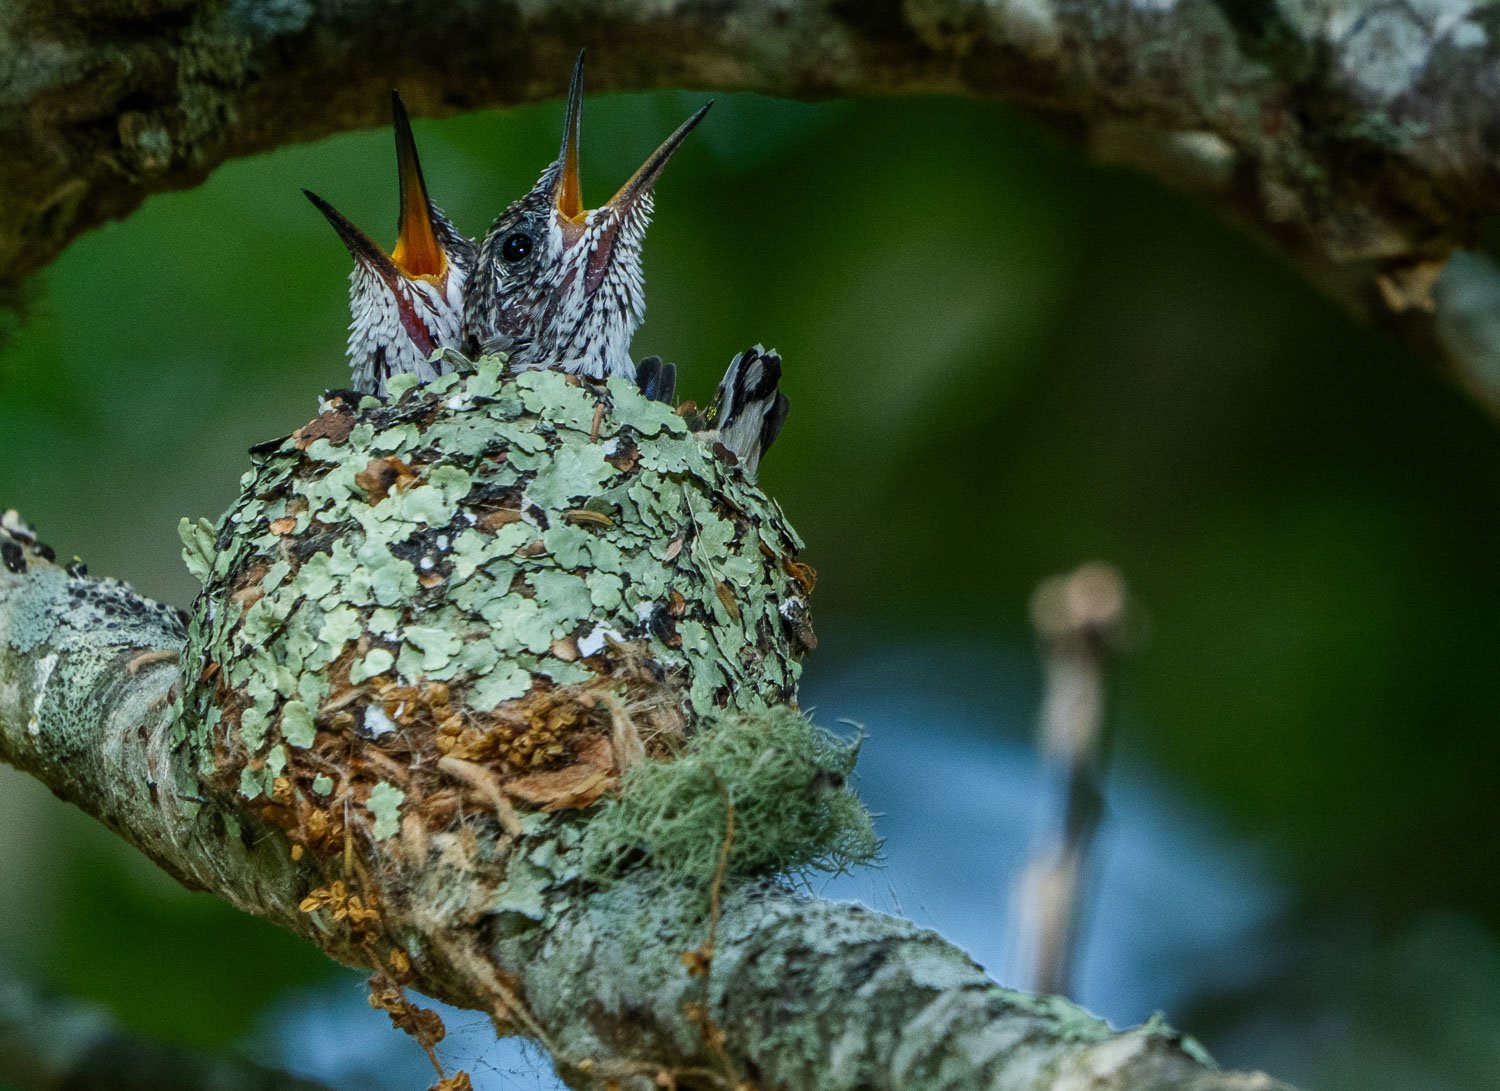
(795, 981)
(1359, 136)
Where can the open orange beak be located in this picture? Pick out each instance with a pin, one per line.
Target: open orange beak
(569, 192)
(417, 252)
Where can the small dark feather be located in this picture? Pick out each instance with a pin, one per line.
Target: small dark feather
(15, 527)
(11, 555)
(656, 380)
(339, 398)
(774, 420)
(269, 446)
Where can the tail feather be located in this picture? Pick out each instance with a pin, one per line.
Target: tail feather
(750, 408)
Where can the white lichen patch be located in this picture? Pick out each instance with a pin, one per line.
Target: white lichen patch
(44, 669)
(1031, 24)
(1381, 50)
(1385, 53)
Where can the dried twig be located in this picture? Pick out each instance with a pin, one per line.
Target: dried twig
(1080, 620)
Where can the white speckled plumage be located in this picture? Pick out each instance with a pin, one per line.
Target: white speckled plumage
(381, 344)
(555, 286)
(750, 408)
(407, 303)
(562, 306)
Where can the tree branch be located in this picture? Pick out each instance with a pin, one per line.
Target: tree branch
(395, 727)
(1359, 137)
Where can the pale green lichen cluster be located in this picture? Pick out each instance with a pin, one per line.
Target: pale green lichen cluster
(538, 532)
(541, 873)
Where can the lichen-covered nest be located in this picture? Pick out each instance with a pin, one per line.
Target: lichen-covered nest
(493, 583)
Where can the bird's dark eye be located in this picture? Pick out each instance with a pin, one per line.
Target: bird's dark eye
(516, 246)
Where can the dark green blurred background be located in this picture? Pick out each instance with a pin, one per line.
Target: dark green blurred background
(1003, 361)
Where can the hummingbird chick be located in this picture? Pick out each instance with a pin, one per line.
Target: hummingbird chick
(408, 303)
(750, 409)
(559, 286)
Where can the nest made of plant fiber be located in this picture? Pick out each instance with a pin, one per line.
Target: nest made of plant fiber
(558, 749)
(787, 782)
(420, 606)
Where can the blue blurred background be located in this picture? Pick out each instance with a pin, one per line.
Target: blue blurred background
(1003, 361)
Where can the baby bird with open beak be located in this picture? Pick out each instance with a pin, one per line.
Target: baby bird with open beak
(408, 303)
(557, 285)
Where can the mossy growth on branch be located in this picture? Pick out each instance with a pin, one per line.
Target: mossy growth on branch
(785, 781)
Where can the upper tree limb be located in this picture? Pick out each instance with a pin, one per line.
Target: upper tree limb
(1359, 137)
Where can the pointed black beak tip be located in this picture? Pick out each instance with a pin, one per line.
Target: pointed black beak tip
(692, 122)
(331, 214)
(575, 81)
(697, 116)
(359, 245)
(401, 119)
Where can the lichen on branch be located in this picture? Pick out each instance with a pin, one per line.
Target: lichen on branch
(479, 678)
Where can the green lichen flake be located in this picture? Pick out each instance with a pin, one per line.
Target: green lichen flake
(297, 724)
(197, 547)
(385, 807)
(502, 536)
